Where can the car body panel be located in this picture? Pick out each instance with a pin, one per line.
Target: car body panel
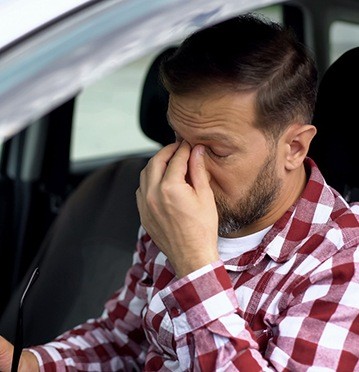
(41, 71)
(20, 18)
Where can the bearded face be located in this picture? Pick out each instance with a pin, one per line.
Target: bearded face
(255, 202)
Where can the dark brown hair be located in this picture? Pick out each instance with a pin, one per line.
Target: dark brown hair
(248, 53)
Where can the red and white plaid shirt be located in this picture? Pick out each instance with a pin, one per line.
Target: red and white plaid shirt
(291, 304)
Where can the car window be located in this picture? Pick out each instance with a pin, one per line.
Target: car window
(106, 122)
(342, 37)
(106, 115)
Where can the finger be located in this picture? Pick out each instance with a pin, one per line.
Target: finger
(197, 169)
(139, 202)
(157, 165)
(164, 155)
(178, 165)
(138, 198)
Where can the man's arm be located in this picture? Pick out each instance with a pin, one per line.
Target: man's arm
(208, 325)
(112, 342)
(318, 328)
(177, 209)
(28, 362)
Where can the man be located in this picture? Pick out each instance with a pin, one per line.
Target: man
(246, 259)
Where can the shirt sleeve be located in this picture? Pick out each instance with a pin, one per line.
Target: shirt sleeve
(113, 342)
(210, 334)
(317, 328)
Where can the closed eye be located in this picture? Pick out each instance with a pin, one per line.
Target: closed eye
(215, 154)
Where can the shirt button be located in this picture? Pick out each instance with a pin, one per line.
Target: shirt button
(175, 312)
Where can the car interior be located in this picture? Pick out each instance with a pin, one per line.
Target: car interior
(93, 238)
(90, 219)
(335, 150)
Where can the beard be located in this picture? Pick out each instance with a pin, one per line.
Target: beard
(254, 204)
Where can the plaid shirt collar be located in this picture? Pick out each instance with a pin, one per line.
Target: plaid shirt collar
(318, 203)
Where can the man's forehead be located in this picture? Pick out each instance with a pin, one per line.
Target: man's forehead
(214, 104)
(198, 103)
(207, 135)
(215, 116)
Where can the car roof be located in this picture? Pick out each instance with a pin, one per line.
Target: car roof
(19, 17)
(51, 50)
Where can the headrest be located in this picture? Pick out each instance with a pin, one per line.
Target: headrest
(154, 101)
(335, 148)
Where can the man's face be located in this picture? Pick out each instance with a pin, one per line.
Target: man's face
(239, 159)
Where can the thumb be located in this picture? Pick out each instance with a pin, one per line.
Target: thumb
(199, 176)
(6, 353)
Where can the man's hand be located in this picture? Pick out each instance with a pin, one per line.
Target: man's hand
(28, 361)
(177, 207)
(6, 352)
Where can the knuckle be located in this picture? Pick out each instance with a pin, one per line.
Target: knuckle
(166, 188)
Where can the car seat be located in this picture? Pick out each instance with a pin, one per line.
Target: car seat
(334, 148)
(89, 248)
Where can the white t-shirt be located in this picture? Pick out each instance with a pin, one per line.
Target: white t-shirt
(234, 247)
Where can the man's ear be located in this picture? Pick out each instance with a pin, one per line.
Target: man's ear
(297, 139)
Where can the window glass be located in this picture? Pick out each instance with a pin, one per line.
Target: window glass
(343, 36)
(106, 115)
(106, 119)
(273, 12)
